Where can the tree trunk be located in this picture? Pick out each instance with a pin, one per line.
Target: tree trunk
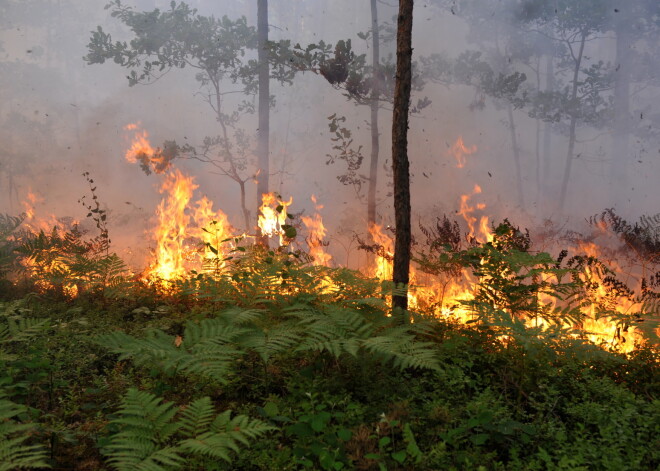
(547, 129)
(537, 143)
(572, 126)
(375, 92)
(263, 170)
(246, 213)
(400, 165)
(621, 134)
(516, 156)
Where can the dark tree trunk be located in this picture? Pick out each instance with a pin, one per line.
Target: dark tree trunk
(263, 170)
(375, 93)
(401, 271)
(572, 127)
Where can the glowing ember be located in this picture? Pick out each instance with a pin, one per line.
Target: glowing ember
(317, 232)
(460, 151)
(272, 217)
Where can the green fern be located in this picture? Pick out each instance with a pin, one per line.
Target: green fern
(206, 349)
(151, 439)
(400, 346)
(15, 453)
(272, 340)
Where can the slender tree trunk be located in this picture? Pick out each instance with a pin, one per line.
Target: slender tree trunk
(401, 270)
(233, 171)
(572, 126)
(547, 127)
(375, 92)
(246, 213)
(516, 156)
(621, 134)
(537, 144)
(264, 107)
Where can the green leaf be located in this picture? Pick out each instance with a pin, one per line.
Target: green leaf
(399, 456)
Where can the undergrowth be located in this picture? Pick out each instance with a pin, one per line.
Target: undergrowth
(272, 363)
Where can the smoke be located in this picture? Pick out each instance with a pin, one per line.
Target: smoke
(62, 117)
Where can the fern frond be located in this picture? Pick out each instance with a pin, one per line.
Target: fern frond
(146, 427)
(14, 453)
(150, 439)
(226, 434)
(401, 348)
(197, 417)
(272, 341)
(206, 353)
(239, 316)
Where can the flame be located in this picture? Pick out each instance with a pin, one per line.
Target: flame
(213, 229)
(443, 294)
(460, 151)
(49, 265)
(466, 211)
(173, 221)
(317, 232)
(141, 151)
(272, 215)
(382, 268)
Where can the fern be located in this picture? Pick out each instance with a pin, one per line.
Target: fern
(399, 345)
(273, 340)
(205, 349)
(151, 439)
(14, 452)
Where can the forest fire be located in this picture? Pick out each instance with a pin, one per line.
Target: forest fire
(187, 235)
(190, 235)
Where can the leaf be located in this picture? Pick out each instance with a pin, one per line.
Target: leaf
(399, 456)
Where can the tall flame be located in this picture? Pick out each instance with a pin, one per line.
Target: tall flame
(173, 221)
(317, 232)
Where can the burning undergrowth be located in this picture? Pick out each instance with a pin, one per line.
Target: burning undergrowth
(601, 286)
(471, 274)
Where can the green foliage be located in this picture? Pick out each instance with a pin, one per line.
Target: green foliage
(336, 382)
(148, 437)
(15, 450)
(344, 150)
(175, 38)
(8, 224)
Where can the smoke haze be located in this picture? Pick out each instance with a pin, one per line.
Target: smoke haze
(61, 117)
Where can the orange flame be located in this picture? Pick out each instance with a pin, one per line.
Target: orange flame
(460, 151)
(466, 211)
(272, 215)
(141, 151)
(172, 224)
(317, 232)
